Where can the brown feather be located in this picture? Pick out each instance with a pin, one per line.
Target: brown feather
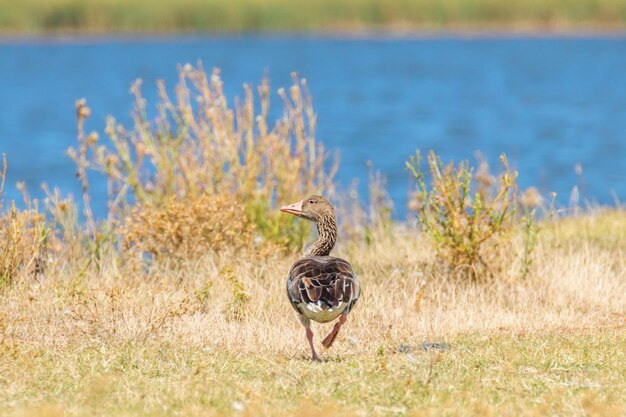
(322, 278)
(326, 282)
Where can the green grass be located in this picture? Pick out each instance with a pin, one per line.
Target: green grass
(562, 373)
(43, 16)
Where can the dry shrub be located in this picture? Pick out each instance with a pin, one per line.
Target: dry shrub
(198, 145)
(22, 238)
(80, 240)
(190, 228)
(468, 217)
(22, 242)
(66, 237)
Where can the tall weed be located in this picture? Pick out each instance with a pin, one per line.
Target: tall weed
(23, 235)
(467, 215)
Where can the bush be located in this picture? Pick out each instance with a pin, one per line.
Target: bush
(199, 150)
(23, 237)
(465, 215)
(188, 229)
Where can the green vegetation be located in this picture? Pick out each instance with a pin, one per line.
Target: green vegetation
(465, 216)
(98, 16)
(175, 304)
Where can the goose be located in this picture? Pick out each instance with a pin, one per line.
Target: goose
(321, 287)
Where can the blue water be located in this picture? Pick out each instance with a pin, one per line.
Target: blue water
(550, 104)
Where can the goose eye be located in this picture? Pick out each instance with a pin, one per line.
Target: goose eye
(311, 201)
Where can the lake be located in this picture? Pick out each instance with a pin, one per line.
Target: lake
(556, 106)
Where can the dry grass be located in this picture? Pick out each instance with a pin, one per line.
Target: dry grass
(216, 336)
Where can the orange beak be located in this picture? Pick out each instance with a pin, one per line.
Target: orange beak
(295, 208)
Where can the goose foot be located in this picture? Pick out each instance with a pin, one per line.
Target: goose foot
(330, 339)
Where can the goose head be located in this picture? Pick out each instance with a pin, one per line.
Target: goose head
(314, 208)
(319, 210)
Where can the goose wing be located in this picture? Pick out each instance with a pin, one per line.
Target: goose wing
(324, 281)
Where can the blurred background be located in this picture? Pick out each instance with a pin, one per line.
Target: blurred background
(542, 81)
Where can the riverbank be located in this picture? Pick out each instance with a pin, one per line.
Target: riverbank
(469, 33)
(349, 16)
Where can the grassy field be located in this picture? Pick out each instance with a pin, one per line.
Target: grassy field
(159, 16)
(175, 340)
(175, 303)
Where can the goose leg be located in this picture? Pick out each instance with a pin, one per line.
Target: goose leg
(328, 340)
(309, 337)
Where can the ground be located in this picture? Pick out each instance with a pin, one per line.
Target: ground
(218, 337)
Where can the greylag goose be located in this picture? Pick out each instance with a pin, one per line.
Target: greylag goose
(321, 287)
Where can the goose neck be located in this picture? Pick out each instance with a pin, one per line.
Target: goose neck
(327, 236)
